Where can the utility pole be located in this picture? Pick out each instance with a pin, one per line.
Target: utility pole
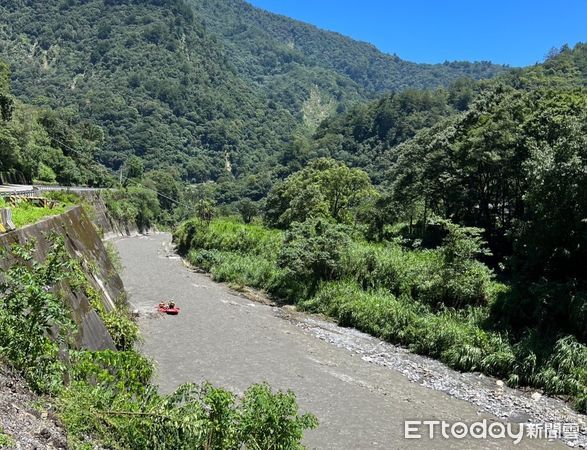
(121, 168)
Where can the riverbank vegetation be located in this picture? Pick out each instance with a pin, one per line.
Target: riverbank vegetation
(437, 302)
(106, 397)
(470, 245)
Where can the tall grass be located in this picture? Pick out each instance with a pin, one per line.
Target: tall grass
(423, 275)
(243, 269)
(458, 339)
(228, 235)
(416, 298)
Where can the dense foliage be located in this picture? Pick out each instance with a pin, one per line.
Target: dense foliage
(211, 89)
(511, 163)
(500, 162)
(186, 108)
(37, 143)
(286, 56)
(325, 188)
(363, 136)
(436, 302)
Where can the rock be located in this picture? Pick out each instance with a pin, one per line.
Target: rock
(499, 383)
(60, 443)
(45, 434)
(536, 396)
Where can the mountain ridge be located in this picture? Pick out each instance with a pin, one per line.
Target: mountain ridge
(166, 84)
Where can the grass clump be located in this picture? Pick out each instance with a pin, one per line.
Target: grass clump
(25, 213)
(5, 439)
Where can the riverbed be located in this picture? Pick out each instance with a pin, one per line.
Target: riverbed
(361, 389)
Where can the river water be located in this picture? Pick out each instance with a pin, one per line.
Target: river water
(360, 388)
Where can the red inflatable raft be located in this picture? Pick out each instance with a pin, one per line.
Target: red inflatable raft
(172, 311)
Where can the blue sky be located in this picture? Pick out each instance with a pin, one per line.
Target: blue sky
(515, 32)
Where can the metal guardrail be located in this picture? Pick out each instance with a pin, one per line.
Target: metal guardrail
(24, 193)
(35, 190)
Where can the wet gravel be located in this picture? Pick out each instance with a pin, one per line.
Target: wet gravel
(490, 394)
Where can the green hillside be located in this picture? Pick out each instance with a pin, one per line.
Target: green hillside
(186, 91)
(266, 47)
(148, 73)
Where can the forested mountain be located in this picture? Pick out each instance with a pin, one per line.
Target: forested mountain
(264, 45)
(151, 75)
(363, 136)
(368, 135)
(36, 143)
(202, 94)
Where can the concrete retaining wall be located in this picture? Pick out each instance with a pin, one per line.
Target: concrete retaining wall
(82, 242)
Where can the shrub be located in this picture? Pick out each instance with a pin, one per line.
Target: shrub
(6, 440)
(191, 417)
(46, 174)
(268, 420)
(311, 253)
(30, 313)
(227, 235)
(122, 328)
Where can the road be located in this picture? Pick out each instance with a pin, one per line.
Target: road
(233, 342)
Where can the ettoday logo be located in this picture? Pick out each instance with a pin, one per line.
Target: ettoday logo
(484, 429)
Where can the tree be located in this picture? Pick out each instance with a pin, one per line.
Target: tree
(135, 167)
(247, 209)
(324, 188)
(168, 189)
(204, 210)
(6, 100)
(311, 253)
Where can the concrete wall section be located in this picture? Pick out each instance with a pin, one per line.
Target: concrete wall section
(82, 242)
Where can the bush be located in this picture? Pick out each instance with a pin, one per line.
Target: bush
(6, 440)
(192, 417)
(246, 270)
(122, 328)
(134, 206)
(33, 321)
(268, 420)
(46, 174)
(389, 266)
(311, 253)
(434, 277)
